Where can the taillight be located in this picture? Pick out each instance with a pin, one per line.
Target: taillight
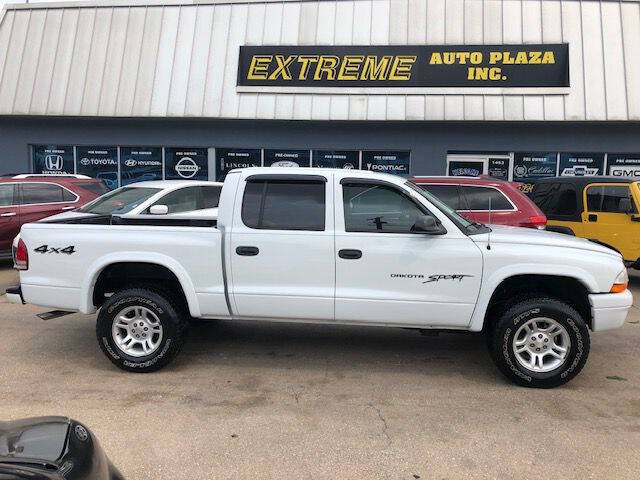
(21, 256)
(536, 221)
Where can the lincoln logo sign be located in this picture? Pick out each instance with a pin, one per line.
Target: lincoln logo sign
(409, 66)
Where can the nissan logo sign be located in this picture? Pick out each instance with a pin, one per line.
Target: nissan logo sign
(53, 162)
(187, 167)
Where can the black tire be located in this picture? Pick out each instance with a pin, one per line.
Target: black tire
(501, 339)
(170, 314)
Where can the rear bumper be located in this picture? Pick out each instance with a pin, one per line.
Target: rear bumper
(609, 310)
(14, 294)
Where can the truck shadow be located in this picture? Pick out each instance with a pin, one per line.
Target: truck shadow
(350, 349)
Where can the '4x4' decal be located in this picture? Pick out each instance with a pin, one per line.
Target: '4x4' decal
(47, 249)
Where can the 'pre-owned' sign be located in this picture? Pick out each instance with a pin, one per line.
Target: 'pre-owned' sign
(417, 66)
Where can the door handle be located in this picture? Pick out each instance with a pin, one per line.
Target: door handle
(593, 217)
(350, 254)
(8, 214)
(68, 208)
(247, 251)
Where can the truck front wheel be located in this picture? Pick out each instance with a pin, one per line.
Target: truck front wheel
(540, 342)
(141, 329)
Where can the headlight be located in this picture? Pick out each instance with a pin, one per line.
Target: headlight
(621, 282)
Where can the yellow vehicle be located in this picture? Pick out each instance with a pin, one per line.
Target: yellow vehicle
(602, 209)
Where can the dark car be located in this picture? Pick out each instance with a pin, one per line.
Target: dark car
(52, 448)
(28, 198)
(472, 196)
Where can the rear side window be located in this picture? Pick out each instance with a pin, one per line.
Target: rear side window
(210, 196)
(284, 205)
(33, 193)
(99, 188)
(449, 194)
(606, 199)
(479, 198)
(556, 199)
(6, 195)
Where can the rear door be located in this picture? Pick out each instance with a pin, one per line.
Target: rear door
(9, 215)
(388, 274)
(282, 247)
(42, 199)
(604, 220)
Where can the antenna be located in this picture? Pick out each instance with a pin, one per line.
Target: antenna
(489, 234)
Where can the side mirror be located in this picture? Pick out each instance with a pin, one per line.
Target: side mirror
(158, 210)
(625, 206)
(429, 225)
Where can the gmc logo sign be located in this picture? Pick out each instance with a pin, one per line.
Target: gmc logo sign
(627, 172)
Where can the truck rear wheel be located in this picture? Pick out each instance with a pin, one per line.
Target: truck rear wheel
(141, 329)
(539, 342)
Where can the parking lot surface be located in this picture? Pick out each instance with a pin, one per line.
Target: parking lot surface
(253, 400)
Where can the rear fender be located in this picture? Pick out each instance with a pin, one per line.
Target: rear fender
(94, 270)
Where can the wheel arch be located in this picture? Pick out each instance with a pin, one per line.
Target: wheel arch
(572, 287)
(166, 267)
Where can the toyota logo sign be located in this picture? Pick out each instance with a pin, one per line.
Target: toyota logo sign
(187, 167)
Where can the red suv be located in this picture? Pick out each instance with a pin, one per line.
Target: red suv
(27, 198)
(470, 197)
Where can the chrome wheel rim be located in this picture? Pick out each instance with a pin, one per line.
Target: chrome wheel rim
(541, 345)
(137, 331)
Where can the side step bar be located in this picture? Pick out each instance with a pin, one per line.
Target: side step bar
(53, 314)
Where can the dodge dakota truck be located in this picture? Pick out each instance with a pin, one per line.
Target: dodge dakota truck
(333, 247)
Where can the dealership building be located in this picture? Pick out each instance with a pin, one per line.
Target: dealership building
(130, 90)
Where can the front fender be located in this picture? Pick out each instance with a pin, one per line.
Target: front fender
(492, 282)
(94, 270)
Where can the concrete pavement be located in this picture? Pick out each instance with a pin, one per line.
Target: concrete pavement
(251, 400)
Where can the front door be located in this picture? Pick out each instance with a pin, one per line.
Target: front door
(605, 221)
(9, 216)
(386, 274)
(282, 262)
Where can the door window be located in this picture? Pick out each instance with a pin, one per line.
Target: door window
(449, 194)
(34, 193)
(284, 205)
(6, 195)
(606, 198)
(479, 198)
(378, 208)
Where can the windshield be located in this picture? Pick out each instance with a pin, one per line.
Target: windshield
(120, 201)
(464, 224)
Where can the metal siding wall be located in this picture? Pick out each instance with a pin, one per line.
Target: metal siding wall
(493, 105)
(142, 94)
(182, 60)
(552, 33)
(46, 62)
(631, 34)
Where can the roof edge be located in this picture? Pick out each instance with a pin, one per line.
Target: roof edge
(133, 3)
(142, 3)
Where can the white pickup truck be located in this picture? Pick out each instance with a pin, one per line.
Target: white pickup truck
(334, 247)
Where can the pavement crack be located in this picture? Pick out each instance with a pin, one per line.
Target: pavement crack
(385, 426)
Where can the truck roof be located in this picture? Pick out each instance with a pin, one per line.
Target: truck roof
(165, 184)
(322, 171)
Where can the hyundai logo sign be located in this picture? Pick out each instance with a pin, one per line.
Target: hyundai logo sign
(130, 163)
(53, 162)
(187, 167)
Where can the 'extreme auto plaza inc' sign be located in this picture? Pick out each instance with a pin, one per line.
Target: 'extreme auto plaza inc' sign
(539, 68)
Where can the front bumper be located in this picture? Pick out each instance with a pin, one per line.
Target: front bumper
(609, 310)
(14, 295)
